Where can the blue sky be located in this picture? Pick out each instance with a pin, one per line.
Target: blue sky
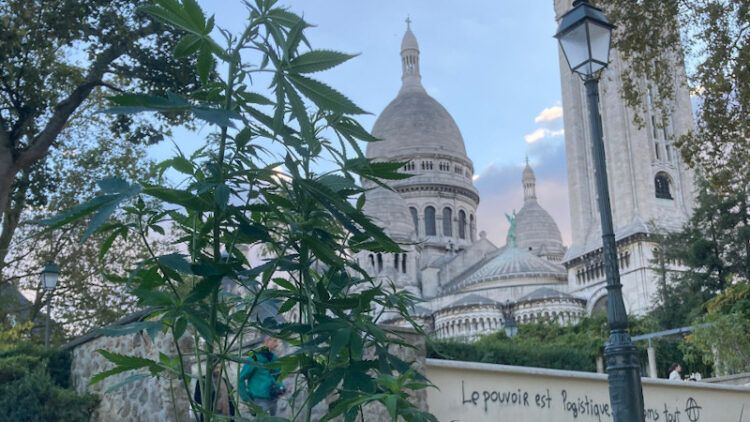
(492, 63)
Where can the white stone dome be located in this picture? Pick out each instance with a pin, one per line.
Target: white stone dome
(415, 123)
(389, 212)
(536, 230)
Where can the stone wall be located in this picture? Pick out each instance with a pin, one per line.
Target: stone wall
(152, 399)
(147, 399)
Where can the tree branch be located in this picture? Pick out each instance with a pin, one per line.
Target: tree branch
(40, 144)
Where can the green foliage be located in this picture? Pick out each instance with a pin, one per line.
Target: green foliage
(710, 37)
(34, 386)
(255, 185)
(726, 340)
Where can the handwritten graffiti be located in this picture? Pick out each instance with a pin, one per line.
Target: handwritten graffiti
(577, 407)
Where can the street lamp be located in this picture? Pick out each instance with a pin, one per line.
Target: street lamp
(48, 279)
(509, 325)
(585, 38)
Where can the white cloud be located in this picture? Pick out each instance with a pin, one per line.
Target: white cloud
(549, 114)
(540, 134)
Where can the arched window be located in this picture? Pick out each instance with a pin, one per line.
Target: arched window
(462, 224)
(415, 219)
(429, 221)
(403, 263)
(447, 222)
(661, 186)
(372, 261)
(380, 262)
(395, 261)
(472, 229)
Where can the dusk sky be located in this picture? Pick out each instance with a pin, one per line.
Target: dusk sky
(493, 64)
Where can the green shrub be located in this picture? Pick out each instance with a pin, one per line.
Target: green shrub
(34, 397)
(34, 387)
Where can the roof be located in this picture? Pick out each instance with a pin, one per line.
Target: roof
(543, 293)
(472, 300)
(511, 263)
(414, 123)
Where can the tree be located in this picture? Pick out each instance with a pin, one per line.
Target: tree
(54, 55)
(714, 248)
(255, 184)
(712, 39)
(85, 298)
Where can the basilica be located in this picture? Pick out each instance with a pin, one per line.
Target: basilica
(470, 286)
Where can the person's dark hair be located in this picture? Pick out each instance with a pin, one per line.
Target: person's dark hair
(673, 367)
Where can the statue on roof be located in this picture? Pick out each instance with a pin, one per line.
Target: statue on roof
(512, 230)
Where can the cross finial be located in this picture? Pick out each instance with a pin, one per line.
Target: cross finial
(408, 22)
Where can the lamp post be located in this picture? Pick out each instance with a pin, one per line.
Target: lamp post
(509, 325)
(48, 279)
(585, 38)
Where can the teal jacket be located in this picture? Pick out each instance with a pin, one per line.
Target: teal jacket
(258, 382)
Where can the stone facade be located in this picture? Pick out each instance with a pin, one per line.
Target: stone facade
(534, 276)
(651, 189)
(468, 283)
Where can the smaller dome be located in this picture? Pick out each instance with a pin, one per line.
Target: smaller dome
(472, 300)
(537, 232)
(512, 263)
(410, 41)
(389, 211)
(543, 293)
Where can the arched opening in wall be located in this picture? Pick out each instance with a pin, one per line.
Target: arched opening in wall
(472, 227)
(380, 262)
(462, 224)
(415, 219)
(429, 221)
(403, 263)
(372, 261)
(395, 261)
(662, 185)
(600, 306)
(447, 222)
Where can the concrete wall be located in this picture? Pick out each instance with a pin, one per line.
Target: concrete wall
(483, 392)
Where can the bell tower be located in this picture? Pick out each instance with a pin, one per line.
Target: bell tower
(651, 188)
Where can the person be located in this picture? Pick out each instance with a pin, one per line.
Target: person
(674, 372)
(259, 384)
(224, 405)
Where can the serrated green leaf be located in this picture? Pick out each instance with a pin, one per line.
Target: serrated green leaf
(205, 63)
(317, 61)
(326, 387)
(324, 96)
(178, 197)
(189, 44)
(176, 262)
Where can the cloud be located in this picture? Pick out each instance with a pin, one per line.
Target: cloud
(542, 133)
(549, 114)
(501, 191)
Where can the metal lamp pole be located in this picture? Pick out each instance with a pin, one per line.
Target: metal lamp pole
(623, 365)
(585, 39)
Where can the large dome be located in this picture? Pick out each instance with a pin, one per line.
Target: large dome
(415, 123)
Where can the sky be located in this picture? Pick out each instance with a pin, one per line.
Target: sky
(493, 64)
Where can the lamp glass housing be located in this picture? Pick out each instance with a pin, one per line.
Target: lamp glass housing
(585, 37)
(49, 276)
